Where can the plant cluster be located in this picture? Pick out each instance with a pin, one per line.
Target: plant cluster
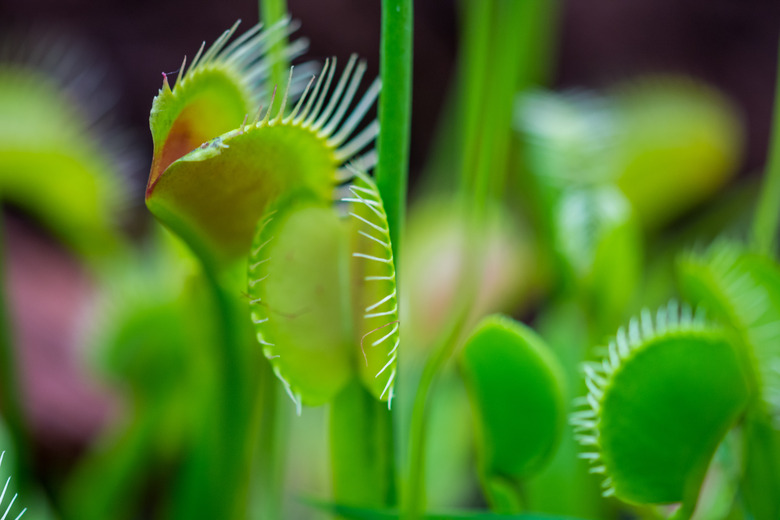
(283, 280)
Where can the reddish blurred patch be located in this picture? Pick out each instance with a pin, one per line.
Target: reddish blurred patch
(49, 295)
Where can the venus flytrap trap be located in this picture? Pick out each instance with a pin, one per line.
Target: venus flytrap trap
(514, 384)
(256, 157)
(283, 191)
(62, 162)
(673, 131)
(44, 130)
(741, 287)
(658, 405)
(314, 332)
(280, 173)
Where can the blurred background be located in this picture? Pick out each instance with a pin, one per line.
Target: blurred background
(729, 44)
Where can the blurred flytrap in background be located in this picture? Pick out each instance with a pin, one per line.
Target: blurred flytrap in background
(281, 341)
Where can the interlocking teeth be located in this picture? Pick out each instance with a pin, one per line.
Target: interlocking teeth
(598, 375)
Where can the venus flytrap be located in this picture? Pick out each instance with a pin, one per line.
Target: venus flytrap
(283, 192)
(296, 287)
(60, 164)
(742, 289)
(673, 131)
(262, 171)
(44, 131)
(515, 386)
(658, 405)
(301, 149)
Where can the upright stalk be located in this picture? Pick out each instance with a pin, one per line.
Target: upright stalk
(272, 11)
(474, 69)
(768, 210)
(395, 114)
(413, 498)
(502, 47)
(361, 431)
(361, 449)
(215, 478)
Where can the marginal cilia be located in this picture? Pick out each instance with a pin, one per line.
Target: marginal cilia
(319, 336)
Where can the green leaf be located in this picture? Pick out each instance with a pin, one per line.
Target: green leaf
(514, 384)
(659, 404)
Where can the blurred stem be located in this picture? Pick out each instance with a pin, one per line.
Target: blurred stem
(506, 49)
(761, 472)
(361, 449)
(395, 114)
(216, 477)
(268, 441)
(415, 488)
(272, 11)
(768, 209)
(473, 78)
(10, 391)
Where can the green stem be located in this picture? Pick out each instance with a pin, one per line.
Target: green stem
(361, 449)
(216, 476)
(506, 50)
(268, 436)
(234, 403)
(761, 473)
(395, 114)
(768, 210)
(473, 77)
(395, 119)
(272, 11)
(414, 489)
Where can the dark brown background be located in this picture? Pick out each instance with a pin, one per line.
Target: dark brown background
(729, 43)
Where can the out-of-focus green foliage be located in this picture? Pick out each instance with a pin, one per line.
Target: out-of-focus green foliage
(667, 143)
(51, 164)
(677, 143)
(600, 242)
